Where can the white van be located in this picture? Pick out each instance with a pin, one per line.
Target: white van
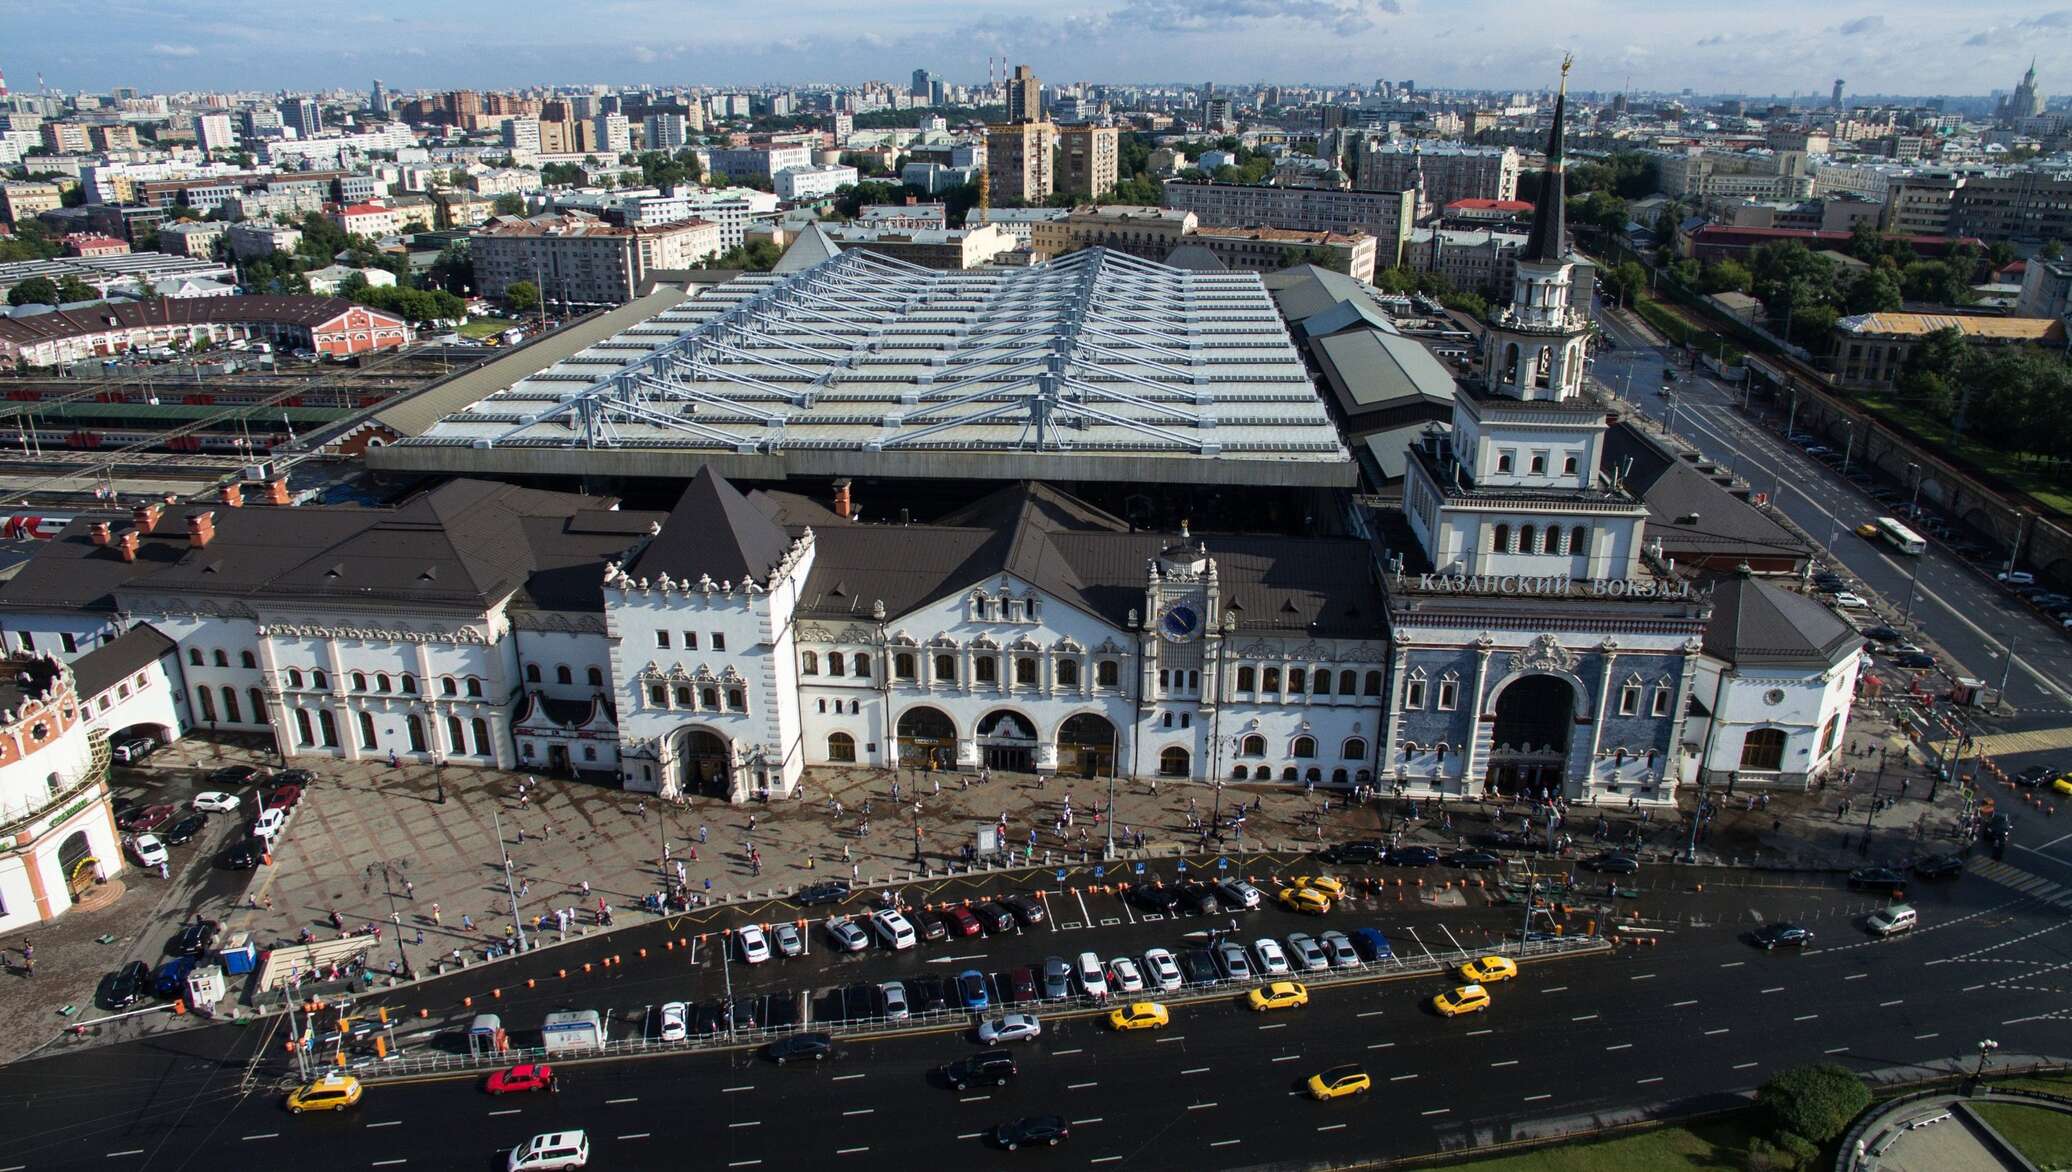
(1898, 918)
(893, 929)
(556, 1149)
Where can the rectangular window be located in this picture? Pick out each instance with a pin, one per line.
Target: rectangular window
(662, 639)
(1629, 700)
(719, 641)
(1449, 694)
(71, 644)
(1413, 696)
(1661, 701)
(658, 695)
(987, 669)
(690, 640)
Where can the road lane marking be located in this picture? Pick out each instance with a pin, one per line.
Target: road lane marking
(1645, 1081)
(1715, 1033)
(748, 1123)
(1287, 1058)
(1200, 1106)
(616, 1102)
(1970, 988)
(966, 1135)
(845, 1077)
(731, 1090)
(1062, 1053)
(1078, 1122)
(1080, 1086)
(1161, 1041)
(1806, 1017)
(851, 1151)
(1537, 1098)
(386, 1163)
(1196, 1070)
(1890, 1004)
(635, 1135)
(980, 1098)
(861, 1111)
(1681, 1004)
(1836, 1050)
(1555, 989)
(744, 1163)
(261, 1135)
(1476, 1033)
(1620, 1046)
(1774, 989)
(1585, 1017)
(1436, 1111)
(1370, 1013)
(1332, 1127)
(506, 1111)
(1642, 977)
(1402, 1078)
(1744, 1066)
(1733, 964)
(1224, 1143)
(1506, 1062)
(1381, 1045)
(1279, 1025)
(1856, 976)
(387, 1123)
(1925, 1037)
(1105, 1159)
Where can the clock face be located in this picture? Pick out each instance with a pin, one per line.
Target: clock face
(1180, 622)
(1774, 697)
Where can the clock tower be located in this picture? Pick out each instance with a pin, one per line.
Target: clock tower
(1182, 612)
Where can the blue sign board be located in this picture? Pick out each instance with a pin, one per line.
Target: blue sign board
(1061, 874)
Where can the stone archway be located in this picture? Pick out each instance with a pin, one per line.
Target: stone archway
(1006, 741)
(927, 739)
(1534, 718)
(1086, 746)
(76, 859)
(705, 763)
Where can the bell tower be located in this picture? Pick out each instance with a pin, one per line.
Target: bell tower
(1537, 343)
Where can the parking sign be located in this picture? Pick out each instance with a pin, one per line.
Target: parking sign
(1140, 868)
(1061, 874)
(1100, 871)
(1183, 866)
(1223, 864)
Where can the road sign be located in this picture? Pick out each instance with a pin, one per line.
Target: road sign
(1223, 864)
(1100, 871)
(1061, 874)
(1140, 868)
(1183, 866)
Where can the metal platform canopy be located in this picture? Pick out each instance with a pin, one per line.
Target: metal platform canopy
(1097, 366)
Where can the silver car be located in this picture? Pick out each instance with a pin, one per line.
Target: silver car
(1272, 961)
(1305, 955)
(895, 999)
(1339, 947)
(789, 942)
(1231, 958)
(1161, 969)
(1057, 977)
(847, 936)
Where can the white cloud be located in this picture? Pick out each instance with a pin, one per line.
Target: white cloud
(164, 49)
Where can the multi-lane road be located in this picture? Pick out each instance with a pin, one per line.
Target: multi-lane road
(1692, 1020)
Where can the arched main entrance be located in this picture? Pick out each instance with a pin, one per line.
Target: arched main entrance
(1529, 750)
(1007, 741)
(706, 764)
(927, 739)
(1086, 746)
(76, 859)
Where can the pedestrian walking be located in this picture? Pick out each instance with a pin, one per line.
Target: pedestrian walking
(855, 870)
(701, 827)
(467, 922)
(392, 758)
(409, 893)
(437, 920)
(29, 958)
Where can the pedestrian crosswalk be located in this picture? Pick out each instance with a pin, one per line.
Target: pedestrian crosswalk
(2035, 740)
(2055, 894)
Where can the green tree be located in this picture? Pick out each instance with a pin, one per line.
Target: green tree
(561, 174)
(72, 289)
(31, 241)
(34, 291)
(521, 296)
(1940, 282)
(1623, 281)
(1816, 1102)
(851, 199)
(1726, 276)
(510, 203)
(2053, 249)
(1872, 291)
(454, 271)
(756, 256)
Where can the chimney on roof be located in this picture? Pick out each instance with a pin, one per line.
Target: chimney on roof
(275, 492)
(146, 516)
(102, 533)
(232, 495)
(126, 545)
(201, 529)
(845, 506)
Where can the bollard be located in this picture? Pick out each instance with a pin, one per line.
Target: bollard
(531, 983)
(498, 994)
(467, 1003)
(423, 1013)
(643, 954)
(562, 973)
(586, 966)
(617, 959)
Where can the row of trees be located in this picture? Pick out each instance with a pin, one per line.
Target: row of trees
(2013, 398)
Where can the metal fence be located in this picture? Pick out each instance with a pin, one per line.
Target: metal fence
(417, 1063)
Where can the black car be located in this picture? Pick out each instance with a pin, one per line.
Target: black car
(1031, 1130)
(2033, 776)
(1155, 898)
(1354, 853)
(1916, 660)
(832, 891)
(1199, 898)
(126, 984)
(1613, 864)
(298, 777)
(183, 831)
(1475, 860)
(196, 939)
(1881, 634)
(986, 1066)
(926, 994)
(994, 917)
(231, 776)
(1412, 856)
(1771, 936)
(1026, 908)
(800, 1048)
(1830, 583)
(932, 926)
(1878, 879)
(243, 856)
(1939, 867)
(1198, 967)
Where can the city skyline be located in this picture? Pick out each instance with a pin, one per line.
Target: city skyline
(1770, 48)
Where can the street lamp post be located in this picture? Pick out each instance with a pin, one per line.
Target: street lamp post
(1986, 1047)
(1914, 501)
(1848, 445)
(1216, 815)
(916, 811)
(388, 869)
(1912, 581)
(517, 925)
(1697, 816)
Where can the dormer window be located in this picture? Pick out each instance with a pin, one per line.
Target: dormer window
(1503, 462)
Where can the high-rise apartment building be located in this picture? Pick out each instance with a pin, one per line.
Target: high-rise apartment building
(665, 132)
(65, 138)
(302, 116)
(578, 259)
(522, 134)
(1384, 215)
(1091, 155)
(922, 86)
(1218, 113)
(611, 133)
(1018, 162)
(212, 132)
(378, 99)
(1450, 172)
(1024, 96)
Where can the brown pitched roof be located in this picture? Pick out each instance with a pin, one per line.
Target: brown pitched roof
(311, 312)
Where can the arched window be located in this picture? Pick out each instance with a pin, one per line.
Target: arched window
(1173, 762)
(809, 663)
(1238, 772)
(1579, 540)
(1527, 535)
(1298, 680)
(1068, 673)
(835, 666)
(456, 742)
(474, 686)
(841, 747)
(294, 677)
(1354, 749)
(1763, 749)
(854, 707)
(481, 730)
(222, 660)
(737, 700)
(860, 665)
(415, 724)
(1348, 683)
(382, 683)
(1166, 721)
(562, 674)
(1511, 363)
(323, 683)
(1252, 746)
(328, 725)
(594, 676)
(448, 686)
(1244, 679)
(303, 735)
(1322, 685)
(1500, 539)
(903, 665)
(1269, 679)
(1373, 687)
(359, 681)
(194, 656)
(366, 729)
(230, 712)
(259, 713)
(709, 697)
(1305, 746)
(532, 673)
(1289, 774)
(206, 703)
(1106, 672)
(409, 684)
(1313, 774)
(246, 659)
(683, 696)
(946, 668)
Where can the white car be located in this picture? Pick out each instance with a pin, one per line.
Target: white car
(1091, 977)
(755, 946)
(552, 1152)
(847, 936)
(1305, 954)
(1272, 961)
(269, 823)
(1162, 969)
(675, 1022)
(215, 802)
(1852, 601)
(789, 942)
(1124, 976)
(1010, 1027)
(133, 750)
(1248, 896)
(893, 929)
(148, 849)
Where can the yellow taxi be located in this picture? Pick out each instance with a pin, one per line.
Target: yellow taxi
(1488, 970)
(1306, 899)
(2062, 785)
(1324, 883)
(1338, 1082)
(1279, 995)
(1465, 999)
(1141, 1015)
(333, 1092)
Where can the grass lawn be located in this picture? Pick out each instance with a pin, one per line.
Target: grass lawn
(2043, 1135)
(483, 327)
(1681, 327)
(2049, 1084)
(1714, 1143)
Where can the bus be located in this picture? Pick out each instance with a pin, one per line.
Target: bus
(1901, 538)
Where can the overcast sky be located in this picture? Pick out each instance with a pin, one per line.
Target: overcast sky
(1750, 46)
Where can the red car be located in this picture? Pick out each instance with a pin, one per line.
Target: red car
(520, 1078)
(284, 798)
(962, 922)
(146, 818)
